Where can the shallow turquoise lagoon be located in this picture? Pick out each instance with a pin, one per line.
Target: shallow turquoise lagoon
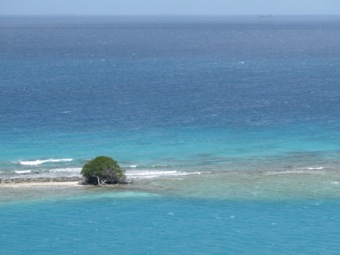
(134, 223)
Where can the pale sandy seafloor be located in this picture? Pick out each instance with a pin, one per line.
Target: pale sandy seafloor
(252, 185)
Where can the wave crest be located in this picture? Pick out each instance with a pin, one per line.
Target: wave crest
(66, 170)
(157, 174)
(39, 161)
(23, 172)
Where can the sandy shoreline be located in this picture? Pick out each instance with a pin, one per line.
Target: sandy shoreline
(40, 181)
(42, 184)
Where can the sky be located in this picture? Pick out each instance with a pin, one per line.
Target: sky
(169, 7)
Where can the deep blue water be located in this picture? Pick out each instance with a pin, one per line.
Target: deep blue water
(172, 96)
(78, 76)
(78, 87)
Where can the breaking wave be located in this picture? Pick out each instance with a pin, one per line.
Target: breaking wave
(39, 161)
(66, 170)
(23, 172)
(157, 174)
(288, 172)
(315, 168)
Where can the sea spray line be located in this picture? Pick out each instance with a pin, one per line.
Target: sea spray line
(23, 171)
(288, 172)
(61, 170)
(39, 161)
(157, 174)
(315, 168)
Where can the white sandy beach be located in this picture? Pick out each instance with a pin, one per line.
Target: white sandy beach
(41, 184)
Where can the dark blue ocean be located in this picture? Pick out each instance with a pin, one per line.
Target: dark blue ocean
(228, 126)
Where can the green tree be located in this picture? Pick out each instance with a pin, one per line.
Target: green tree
(103, 170)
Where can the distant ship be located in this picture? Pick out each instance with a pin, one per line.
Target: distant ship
(266, 16)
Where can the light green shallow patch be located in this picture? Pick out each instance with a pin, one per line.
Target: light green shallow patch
(228, 185)
(254, 185)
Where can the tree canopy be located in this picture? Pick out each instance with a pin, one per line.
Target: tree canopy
(103, 170)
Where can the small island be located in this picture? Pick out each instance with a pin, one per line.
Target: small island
(99, 171)
(103, 170)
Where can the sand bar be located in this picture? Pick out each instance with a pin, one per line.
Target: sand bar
(39, 181)
(41, 184)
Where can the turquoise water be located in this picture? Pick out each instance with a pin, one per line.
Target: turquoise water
(137, 224)
(228, 127)
(191, 148)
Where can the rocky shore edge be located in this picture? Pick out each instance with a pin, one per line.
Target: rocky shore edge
(59, 179)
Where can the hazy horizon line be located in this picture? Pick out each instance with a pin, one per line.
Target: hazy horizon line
(269, 15)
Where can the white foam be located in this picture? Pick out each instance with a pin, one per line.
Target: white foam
(23, 172)
(149, 174)
(66, 170)
(292, 172)
(285, 172)
(39, 161)
(132, 166)
(315, 168)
